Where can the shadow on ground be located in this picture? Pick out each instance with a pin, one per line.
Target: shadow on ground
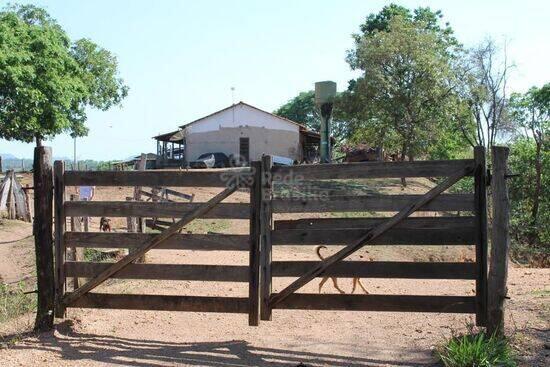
(136, 352)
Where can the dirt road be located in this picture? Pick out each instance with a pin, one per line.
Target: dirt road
(147, 338)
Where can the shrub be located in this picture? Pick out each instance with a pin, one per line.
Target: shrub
(530, 240)
(14, 302)
(476, 350)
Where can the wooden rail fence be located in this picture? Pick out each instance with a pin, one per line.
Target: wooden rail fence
(139, 243)
(353, 233)
(440, 219)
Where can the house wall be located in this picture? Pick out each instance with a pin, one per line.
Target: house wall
(262, 141)
(220, 132)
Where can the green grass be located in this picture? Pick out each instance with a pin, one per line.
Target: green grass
(14, 302)
(93, 255)
(477, 350)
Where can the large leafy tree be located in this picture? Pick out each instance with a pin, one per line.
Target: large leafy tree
(405, 99)
(531, 114)
(47, 81)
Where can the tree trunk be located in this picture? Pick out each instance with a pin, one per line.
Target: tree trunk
(536, 193)
(403, 157)
(43, 240)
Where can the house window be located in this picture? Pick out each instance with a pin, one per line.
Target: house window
(244, 149)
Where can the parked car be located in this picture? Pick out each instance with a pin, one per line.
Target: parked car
(210, 160)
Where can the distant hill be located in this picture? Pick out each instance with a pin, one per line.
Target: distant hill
(8, 156)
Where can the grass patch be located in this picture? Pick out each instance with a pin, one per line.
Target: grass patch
(476, 350)
(14, 302)
(93, 255)
(208, 225)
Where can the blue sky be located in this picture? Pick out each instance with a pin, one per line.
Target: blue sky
(180, 58)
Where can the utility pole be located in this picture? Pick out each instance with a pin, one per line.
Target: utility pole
(324, 98)
(75, 167)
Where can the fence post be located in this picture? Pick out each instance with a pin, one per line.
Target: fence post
(500, 242)
(59, 201)
(43, 223)
(480, 193)
(266, 224)
(255, 234)
(75, 227)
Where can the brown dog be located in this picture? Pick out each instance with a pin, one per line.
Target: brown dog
(105, 224)
(356, 281)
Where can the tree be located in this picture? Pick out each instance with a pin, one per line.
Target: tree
(302, 109)
(46, 84)
(484, 74)
(531, 114)
(47, 81)
(405, 96)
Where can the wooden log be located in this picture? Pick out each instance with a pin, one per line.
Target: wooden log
(180, 195)
(11, 197)
(255, 243)
(200, 242)
(153, 196)
(149, 209)
(214, 178)
(266, 228)
(363, 203)
(131, 257)
(394, 236)
(76, 226)
(450, 222)
(213, 273)
(140, 166)
(389, 303)
(162, 303)
(371, 170)
(480, 199)
(59, 201)
(500, 242)
(131, 224)
(43, 224)
(380, 269)
(370, 235)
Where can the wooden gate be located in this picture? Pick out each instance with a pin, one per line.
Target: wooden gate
(455, 219)
(139, 243)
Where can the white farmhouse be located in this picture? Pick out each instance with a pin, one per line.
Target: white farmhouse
(240, 130)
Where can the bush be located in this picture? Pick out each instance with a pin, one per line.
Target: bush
(530, 241)
(14, 302)
(476, 350)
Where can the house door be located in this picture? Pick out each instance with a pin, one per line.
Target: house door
(244, 149)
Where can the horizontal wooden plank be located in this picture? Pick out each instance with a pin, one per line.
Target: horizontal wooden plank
(185, 241)
(179, 194)
(390, 303)
(362, 203)
(152, 196)
(380, 269)
(370, 170)
(150, 209)
(410, 223)
(179, 178)
(214, 273)
(394, 236)
(162, 303)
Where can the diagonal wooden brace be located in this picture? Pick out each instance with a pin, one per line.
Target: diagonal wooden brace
(163, 236)
(370, 235)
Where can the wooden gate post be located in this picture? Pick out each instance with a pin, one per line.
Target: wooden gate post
(500, 242)
(59, 196)
(43, 240)
(266, 226)
(255, 235)
(480, 197)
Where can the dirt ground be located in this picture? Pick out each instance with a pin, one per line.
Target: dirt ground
(314, 338)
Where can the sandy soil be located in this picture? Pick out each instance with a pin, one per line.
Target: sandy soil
(313, 338)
